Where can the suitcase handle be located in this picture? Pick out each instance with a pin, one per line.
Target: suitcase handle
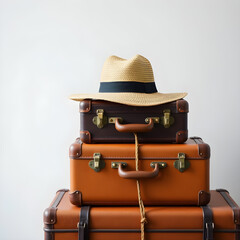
(135, 127)
(137, 174)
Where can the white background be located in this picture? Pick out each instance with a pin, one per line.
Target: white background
(51, 49)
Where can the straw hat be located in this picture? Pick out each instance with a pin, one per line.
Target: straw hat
(130, 82)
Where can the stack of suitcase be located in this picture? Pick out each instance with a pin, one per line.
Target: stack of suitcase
(104, 202)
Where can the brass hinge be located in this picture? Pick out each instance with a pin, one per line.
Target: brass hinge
(160, 164)
(113, 119)
(116, 164)
(155, 119)
(100, 120)
(182, 163)
(167, 120)
(97, 164)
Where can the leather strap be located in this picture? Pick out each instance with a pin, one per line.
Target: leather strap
(83, 223)
(208, 224)
(237, 235)
(59, 197)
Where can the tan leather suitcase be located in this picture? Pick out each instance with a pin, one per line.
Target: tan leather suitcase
(220, 220)
(108, 122)
(169, 174)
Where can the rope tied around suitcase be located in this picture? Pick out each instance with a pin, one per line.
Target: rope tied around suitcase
(141, 205)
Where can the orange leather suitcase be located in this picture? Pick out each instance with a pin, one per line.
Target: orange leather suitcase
(220, 220)
(170, 174)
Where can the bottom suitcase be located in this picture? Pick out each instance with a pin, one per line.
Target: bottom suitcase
(219, 220)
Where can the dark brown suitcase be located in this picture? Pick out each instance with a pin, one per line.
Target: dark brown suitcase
(220, 220)
(108, 122)
(169, 174)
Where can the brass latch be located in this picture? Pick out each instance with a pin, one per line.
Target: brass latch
(167, 120)
(182, 163)
(100, 120)
(97, 164)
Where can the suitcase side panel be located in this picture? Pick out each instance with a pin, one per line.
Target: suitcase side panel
(222, 212)
(100, 191)
(163, 222)
(235, 208)
(119, 191)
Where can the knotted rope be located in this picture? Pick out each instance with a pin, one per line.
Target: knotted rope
(140, 202)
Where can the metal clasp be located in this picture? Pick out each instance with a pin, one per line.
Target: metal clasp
(81, 224)
(97, 164)
(181, 159)
(182, 163)
(100, 120)
(210, 225)
(209, 230)
(167, 120)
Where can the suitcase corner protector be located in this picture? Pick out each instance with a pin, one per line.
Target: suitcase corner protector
(203, 198)
(75, 198)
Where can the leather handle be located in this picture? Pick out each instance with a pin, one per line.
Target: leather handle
(134, 127)
(138, 174)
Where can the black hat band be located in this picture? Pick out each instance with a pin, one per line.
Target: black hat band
(138, 87)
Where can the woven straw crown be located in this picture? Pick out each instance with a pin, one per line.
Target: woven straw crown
(130, 82)
(137, 69)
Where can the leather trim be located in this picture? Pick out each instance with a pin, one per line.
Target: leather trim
(85, 136)
(48, 232)
(208, 225)
(222, 190)
(182, 106)
(203, 198)
(237, 235)
(62, 190)
(83, 225)
(75, 150)
(203, 148)
(133, 158)
(85, 105)
(133, 203)
(196, 138)
(139, 230)
(131, 140)
(76, 198)
(49, 215)
(181, 136)
(232, 204)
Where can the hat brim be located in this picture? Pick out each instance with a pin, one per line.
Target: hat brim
(133, 99)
